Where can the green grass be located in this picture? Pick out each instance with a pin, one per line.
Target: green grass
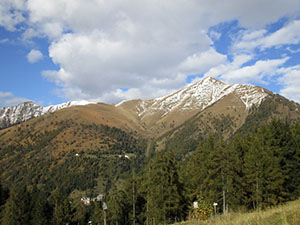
(288, 214)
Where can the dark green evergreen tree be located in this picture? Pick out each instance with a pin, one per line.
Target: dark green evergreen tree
(41, 210)
(4, 194)
(17, 209)
(237, 195)
(165, 199)
(79, 211)
(263, 169)
(294, 164)
(62, 211)
(97, 213)
(208, 175)
(118, 201)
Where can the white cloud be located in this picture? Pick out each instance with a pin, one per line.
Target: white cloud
(259, 72)
(235, 72)
(11, 13)
(96, 65)
(52, 30)
(8, 99)
(83, 16)
(257, 13)
(215, 35)
(201, 62)
(226, 67)
(291, 82)
(253, 35)
(103, 46)
(287, 35)
(30, 33)
(293, 51)
(34, 56)
(152, 89)
(249, 40)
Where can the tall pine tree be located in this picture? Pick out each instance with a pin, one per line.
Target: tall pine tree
(17, 209)
(165, 197)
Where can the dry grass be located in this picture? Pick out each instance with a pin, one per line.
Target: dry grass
(288, 214)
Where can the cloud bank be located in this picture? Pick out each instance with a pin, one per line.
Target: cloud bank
(123, 49)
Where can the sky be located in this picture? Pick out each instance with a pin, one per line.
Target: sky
(53, 51)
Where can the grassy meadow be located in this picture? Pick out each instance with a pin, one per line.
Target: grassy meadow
(288, 214)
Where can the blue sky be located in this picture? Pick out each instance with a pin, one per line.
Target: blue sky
(52, 51)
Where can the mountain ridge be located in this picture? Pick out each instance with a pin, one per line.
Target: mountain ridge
(27, 110)
(200, 95)
(150, 113)
(104, 132)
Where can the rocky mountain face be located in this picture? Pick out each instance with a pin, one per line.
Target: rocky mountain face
(20, 113)
(199, 96)
(28, 110)
(160, 115)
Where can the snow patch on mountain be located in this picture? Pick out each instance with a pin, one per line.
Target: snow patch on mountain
(250, 95)
(196, 96)
(19, 113)
(28, 110)
(200, 95)
(53, 108)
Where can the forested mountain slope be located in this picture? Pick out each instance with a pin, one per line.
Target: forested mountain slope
(165, 152)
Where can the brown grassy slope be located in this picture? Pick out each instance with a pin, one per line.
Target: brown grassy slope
(154, 124)
(81, 143)
(288, 214)
(158, 123)
(225, 117)
(72, 126)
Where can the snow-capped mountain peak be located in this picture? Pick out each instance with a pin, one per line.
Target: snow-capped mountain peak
(53, 108)
(19, 113)
(27, 110)
(194, 97)
(200, 95)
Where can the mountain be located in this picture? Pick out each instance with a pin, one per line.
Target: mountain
(160, 115)
(199, 96)
(86, 146)
(82, 150)
(155, 116)
(28, 110)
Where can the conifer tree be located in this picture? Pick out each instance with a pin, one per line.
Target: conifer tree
(207, 172)
(237, 194)
(119, 205)
(41, 211)
(264, 174)
(62, 212)
(3, 197)
(79, 210)
(17, 208)
(96, 212)
(294, 178)
(165, 192)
